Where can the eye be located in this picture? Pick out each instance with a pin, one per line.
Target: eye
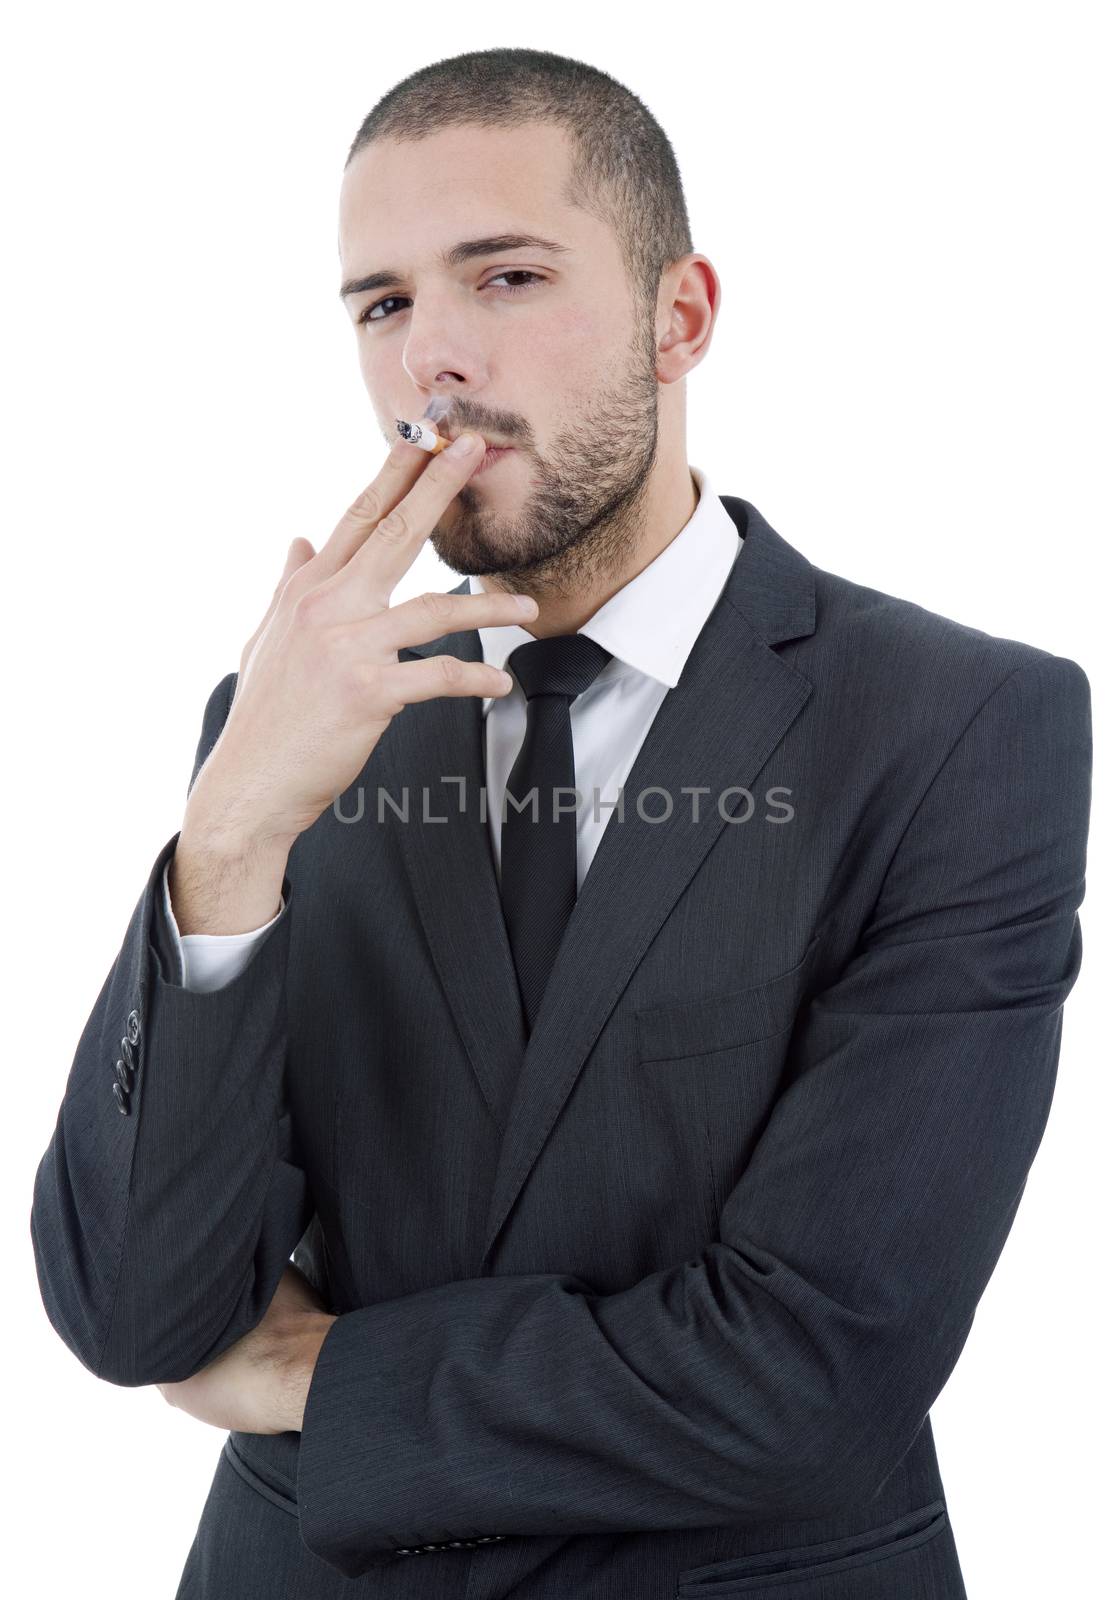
(368, 315)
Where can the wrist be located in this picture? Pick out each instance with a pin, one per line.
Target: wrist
(307, 1334)
(224, 882)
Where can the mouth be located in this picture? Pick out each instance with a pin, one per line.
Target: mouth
(491, 444)
(493, 453)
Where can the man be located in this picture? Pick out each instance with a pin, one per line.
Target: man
(645, 1150)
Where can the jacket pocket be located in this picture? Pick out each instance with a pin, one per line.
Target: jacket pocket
(255, 1481)
(771, 1569)
(721, 1021)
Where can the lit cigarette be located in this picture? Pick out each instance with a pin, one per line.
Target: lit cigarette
(424, 432)
(423, 435)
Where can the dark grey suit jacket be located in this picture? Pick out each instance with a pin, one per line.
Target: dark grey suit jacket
(656, 1305)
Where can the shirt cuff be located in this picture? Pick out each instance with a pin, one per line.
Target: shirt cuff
(208, 961)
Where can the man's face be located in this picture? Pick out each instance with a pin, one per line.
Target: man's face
(536, 349)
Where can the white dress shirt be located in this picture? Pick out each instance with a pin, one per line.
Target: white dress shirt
(649, 626)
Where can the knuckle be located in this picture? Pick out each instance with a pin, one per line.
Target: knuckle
(360, 677)
(370, 504)
(300, 579)
(439, 606)
(393, 527)
(310, 608)
(451, 668)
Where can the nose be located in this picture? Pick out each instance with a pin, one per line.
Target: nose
(439, 357)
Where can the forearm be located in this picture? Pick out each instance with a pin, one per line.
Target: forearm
(167, 1203)
(784, 1371)
(528, 1404)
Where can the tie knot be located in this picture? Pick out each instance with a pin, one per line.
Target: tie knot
(565, 663)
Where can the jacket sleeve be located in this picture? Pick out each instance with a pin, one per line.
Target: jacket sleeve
(166, 1208)
(783, 1372)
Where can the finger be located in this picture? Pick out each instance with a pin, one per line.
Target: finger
(429, 616)
(300, 551)
(408, 682)
(387, 552)
(404, 464)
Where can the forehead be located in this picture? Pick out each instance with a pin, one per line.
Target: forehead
(402, 200)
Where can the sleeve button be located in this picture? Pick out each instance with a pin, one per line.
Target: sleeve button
(133, 1027)
(121, 1098)
(124, 1076)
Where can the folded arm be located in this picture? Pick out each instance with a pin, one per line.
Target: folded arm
(785, 1370)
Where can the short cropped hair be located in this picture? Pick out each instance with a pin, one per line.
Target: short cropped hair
(623, 169)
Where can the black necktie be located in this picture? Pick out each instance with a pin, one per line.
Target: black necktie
(538, 859)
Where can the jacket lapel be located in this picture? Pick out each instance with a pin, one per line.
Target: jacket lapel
(715, 729)
(437, 758)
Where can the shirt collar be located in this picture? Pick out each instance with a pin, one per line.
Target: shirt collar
(651, 624)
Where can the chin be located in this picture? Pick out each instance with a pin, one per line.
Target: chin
(474, 558)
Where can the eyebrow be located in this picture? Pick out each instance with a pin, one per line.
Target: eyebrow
(465, 250)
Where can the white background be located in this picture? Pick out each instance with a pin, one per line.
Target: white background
(912, 213)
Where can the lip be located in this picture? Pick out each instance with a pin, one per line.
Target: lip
(493, 453)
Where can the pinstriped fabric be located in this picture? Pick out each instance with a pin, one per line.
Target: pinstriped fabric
(538, 869)
(668, 1319)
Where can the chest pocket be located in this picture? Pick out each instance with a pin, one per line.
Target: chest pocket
(721, 1021)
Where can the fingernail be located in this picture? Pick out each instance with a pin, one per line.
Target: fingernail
(465, 444)
(526, 602)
